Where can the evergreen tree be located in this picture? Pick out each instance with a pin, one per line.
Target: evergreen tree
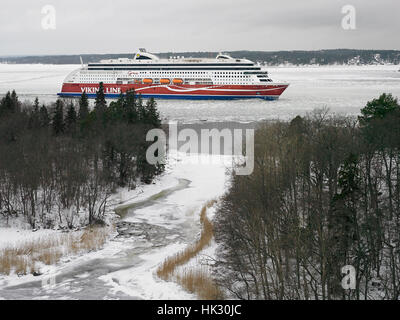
(36, 105)
(100, 103)
(141, 109)
(380, 123)
(378, 108)
(58, 118)
(71, 117)
(15, 104)
(44, 118)
(116, 111)
(343, 221)
(130, 107)
(34, 116)
(83, 106)
(5, 104)
(9, 104)
(152, 115)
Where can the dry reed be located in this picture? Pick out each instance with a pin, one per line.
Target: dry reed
(22, 258)
(196, 281)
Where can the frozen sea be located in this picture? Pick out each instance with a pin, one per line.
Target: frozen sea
(343, 89)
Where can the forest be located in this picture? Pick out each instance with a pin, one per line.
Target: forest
(271, 58)
(325, 193)
(60, 163)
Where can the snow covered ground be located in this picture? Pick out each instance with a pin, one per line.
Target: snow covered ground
(13, 235)
(163, 219)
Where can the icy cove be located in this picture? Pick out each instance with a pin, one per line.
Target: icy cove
(158, 220)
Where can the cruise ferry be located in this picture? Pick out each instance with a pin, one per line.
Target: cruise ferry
(223, 77)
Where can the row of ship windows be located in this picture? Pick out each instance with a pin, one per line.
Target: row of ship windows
(194, 72)
(167, 75)
(174, 73)
(190, 72)
(217, 80)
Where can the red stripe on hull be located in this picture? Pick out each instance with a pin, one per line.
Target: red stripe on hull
(198, 90)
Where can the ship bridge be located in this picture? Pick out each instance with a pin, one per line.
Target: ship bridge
(144, 55)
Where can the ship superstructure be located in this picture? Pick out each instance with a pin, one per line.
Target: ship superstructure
(222, 77)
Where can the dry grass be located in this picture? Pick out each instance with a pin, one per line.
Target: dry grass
(17, 260)
(200, 282)
(197, 281)
(166, 270)
(23, 258)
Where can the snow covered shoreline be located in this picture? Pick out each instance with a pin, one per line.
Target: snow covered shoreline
(125, 267)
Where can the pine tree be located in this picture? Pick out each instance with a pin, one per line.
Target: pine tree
(141, 109)
(116, 111)
(100, 103)
(71, 117)
(9, 104)
(83, 107)
(34, 116)
(44, 118)
(58, 118)
(379, 122)
(36, 105)
(130, 107)
(378, 108)
(152, 115)
(343, 221)
(5, 104)
(15, 104)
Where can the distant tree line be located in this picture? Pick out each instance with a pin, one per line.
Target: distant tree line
(272, 58)
(323, 57)
(62, 160)
(325, 193)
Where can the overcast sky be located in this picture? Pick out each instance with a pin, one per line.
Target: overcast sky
(122, 26)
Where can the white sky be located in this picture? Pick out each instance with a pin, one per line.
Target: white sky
(117, 26)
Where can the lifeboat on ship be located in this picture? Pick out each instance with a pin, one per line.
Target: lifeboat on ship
(251, 80)
(177, 81)
(165, 81)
